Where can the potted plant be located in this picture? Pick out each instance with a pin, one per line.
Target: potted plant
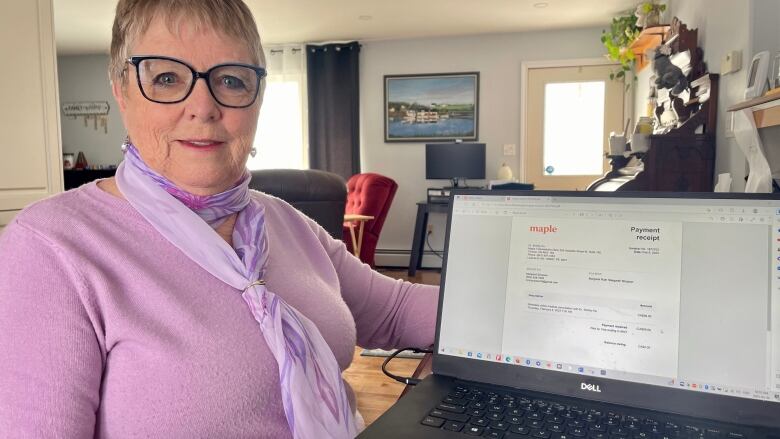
(649, 14)
(622, 32)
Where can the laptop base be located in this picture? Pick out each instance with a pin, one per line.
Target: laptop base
(442, 407)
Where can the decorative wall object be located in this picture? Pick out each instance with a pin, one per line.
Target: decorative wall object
(97, 111)
(68, 160)
(432, 107)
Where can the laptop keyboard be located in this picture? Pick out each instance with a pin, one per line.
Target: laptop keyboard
(480, 412)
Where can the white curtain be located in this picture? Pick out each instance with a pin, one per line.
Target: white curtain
(282, 132)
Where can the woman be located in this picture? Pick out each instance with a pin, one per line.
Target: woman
(172, 301)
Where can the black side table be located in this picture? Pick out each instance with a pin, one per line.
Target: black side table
(76, 177)
(420, 229)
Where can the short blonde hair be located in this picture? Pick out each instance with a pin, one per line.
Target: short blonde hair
(230, 17)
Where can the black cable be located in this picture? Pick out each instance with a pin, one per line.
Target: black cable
(428, 241)
(409, 381)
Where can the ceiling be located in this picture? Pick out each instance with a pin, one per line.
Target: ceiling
(84, 26)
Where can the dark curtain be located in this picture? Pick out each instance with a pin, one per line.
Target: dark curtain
(334, 117)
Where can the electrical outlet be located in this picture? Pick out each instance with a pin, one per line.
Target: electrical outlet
(430, 228)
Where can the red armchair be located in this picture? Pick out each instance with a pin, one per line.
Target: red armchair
(369, 194)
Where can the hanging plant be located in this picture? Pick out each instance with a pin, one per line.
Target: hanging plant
(622, 32)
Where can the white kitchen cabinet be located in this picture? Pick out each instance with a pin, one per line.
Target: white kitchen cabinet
(30, 151)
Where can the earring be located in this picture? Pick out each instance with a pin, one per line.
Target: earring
(253, 152)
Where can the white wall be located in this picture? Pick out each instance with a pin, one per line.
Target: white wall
(498, 59)
(85, 78)
(724, 25)
(765, 29)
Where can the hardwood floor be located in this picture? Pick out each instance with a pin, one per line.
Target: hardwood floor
(376, 392)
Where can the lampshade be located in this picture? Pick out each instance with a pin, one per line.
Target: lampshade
(505, 172)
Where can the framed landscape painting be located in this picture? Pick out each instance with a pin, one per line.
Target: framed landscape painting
(432, 107)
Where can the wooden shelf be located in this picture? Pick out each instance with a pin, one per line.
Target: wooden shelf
(766, 109)
(649, 38)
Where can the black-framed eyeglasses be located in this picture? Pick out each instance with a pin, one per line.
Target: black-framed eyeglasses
(168, 80)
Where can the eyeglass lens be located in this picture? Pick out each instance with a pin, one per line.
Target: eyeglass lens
(166, 81)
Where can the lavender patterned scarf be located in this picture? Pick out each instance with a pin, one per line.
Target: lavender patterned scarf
(313, 393)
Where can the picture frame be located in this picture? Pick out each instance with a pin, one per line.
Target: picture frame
(757, 75)
(431, 107)
(68, 160)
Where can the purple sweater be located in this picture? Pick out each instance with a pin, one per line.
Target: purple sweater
(107, 330)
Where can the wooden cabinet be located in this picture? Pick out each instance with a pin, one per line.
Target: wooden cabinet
(674, 163)
(5, 218)
(679, 163)
(681, 154)
(30, 152)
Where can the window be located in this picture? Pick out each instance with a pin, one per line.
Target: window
(573, 128)
(281, 140)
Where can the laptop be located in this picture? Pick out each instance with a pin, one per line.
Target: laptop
(567, 315)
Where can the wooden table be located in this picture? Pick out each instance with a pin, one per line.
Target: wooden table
(351, 220)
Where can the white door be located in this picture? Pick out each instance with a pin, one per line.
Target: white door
(30, 153)
(569, 114)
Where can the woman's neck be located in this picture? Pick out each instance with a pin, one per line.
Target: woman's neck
(225, 230)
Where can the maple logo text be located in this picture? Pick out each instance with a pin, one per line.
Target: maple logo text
(543, 229)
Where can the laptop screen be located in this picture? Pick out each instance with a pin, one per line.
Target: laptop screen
(682, 293)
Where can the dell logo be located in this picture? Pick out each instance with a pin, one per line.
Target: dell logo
(590, 387)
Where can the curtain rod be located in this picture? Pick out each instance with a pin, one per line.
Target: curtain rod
(338, 46)
(294, 49)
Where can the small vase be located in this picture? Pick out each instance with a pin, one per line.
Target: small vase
(653, 18)
(81, 161)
